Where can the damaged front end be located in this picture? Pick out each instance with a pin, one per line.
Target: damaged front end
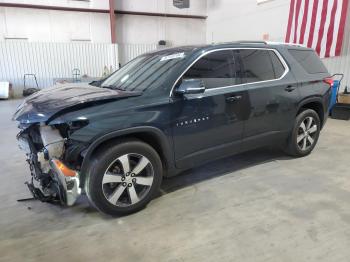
(46, 136)
(51, 179)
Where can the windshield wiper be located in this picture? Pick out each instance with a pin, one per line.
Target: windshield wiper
(113, 87)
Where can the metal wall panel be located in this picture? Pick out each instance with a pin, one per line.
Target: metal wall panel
(341, 64)
(53, 60)
(128, 52)
(57, 60)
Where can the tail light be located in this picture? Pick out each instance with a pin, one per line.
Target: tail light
(329, 81)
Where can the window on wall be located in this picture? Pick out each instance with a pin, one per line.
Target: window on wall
(260, 65)
(16, 38)
(216, 69)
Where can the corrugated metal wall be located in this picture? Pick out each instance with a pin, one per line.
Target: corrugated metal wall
(53, 60)
(57, 60)
(341, 64)
(128, 52)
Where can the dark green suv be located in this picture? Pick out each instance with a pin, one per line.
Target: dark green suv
(167, 111)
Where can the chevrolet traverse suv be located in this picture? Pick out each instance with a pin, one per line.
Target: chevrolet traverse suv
(167, 111)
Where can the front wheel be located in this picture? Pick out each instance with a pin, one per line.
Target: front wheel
(305, 134)
(124, 178)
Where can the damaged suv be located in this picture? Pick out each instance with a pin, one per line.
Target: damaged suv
(166, 111)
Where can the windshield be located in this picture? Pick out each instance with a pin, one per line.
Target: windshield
(146, 72)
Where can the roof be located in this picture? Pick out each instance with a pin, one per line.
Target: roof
(234, 44)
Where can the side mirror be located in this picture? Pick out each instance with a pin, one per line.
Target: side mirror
(190, 86)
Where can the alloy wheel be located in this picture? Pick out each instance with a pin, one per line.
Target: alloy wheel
(307, 133)
(127, 180)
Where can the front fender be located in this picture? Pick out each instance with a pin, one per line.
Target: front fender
(155, 132)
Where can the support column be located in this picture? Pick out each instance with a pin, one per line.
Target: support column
(112, 21)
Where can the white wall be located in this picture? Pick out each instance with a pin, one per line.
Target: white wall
(36, 25)
(149, 30)
(134, 29)
(97, 4)
(53, 26)
(197, 7)
(230, 20)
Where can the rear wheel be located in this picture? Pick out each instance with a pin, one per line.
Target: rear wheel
(305, 134)
(124, 178)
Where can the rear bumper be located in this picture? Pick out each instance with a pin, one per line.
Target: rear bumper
(325, 118)
(326, 107)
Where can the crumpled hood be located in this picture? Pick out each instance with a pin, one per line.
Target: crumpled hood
(42, 105)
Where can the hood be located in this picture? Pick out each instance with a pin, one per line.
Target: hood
(46, 103)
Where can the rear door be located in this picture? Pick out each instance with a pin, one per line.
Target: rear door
(273, 96)
(209, 125)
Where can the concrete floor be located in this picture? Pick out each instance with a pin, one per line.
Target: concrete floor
(257, 206)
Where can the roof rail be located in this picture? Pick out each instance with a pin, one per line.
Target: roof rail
(284, 43)
(252, 42)
(241, 42)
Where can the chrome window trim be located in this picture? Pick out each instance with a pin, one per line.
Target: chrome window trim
(286, 68)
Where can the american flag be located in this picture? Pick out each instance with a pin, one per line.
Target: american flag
(318, 24)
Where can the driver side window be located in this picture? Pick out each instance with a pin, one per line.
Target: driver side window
(216, 69)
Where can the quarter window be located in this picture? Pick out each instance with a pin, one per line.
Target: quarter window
(309, 60)
(216, 69)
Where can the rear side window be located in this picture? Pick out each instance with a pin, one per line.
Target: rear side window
(258, 65)
(216, 69)
(309, 60)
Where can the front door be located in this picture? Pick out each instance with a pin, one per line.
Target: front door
(209, 125)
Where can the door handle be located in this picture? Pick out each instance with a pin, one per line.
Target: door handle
(233, 98)
(289, 88)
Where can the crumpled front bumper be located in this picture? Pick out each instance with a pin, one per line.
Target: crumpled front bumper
(52, 180)
(68, 182)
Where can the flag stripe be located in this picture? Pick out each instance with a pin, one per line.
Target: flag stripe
(308, 23)
(322, 24)
(326, 27)
(336, 27)
(296, 20)
(318, 24)
(292, 27)
(331, 29)
(313, 22)
(300, 20)
(303, 24)
(290, 20)
(341, 27)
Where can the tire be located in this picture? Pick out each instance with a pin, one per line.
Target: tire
(299, 142)
(111, 187)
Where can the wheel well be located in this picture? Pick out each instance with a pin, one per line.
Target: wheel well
(154, 142)
(145, 137)
(316, 106)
